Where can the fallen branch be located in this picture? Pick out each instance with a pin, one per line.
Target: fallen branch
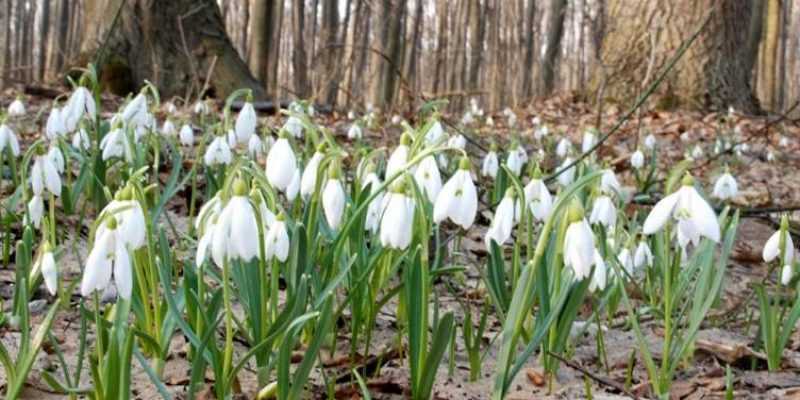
(591, 375)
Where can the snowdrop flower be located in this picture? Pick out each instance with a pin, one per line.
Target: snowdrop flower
(428, 178)
(467, 119)
(589, 140)
(169, 107)
(55, 125)
(135, 113)
(230, 137)
(200, 108)
(333, 198)
(563, 147)
(255, 147)
(355, 133)
(579, 244)
(568, 175)
(396, 120)
(129, 217)
(114, 144)
(536, 121)
(783, 142)
(503, 221)
(609, 183)
(512, 119)
(168, 129)
(277, 240)
(54, 154)
(294, 186)
(246, 122)
(725, 187)
(490, 164)
(490, 122)
(604, 212)
(294, 126)
(774, 248)
(685, 136)
(697, 152)
(457, 142)
(435, 133)
(44, 175)
(626, 261)
(770, 156)
(637, 159)
(8, 140)
(186, 135)
(458, 199)
(16, 108)
(281, 164)
(351, 115)
(539, 199)
(650, 142)
(109, 254)
(643, 256)
(308, 182)
(236, 231)
(600, 276)
(47, 266)
(514, 161)
(398, 218)
(374, 209)
(36, 210)
(399, 158)
(695, 218)
(80, 103)
(218, 152)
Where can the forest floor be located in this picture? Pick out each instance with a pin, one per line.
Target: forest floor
(728, 336)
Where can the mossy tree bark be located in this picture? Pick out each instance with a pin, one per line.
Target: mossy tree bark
(175, 44)
(643, 36)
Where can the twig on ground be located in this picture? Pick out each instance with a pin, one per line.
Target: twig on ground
(591, 375)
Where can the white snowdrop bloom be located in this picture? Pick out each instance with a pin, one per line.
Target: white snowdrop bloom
(168, 129)
(80, 103)
(609, 183)
(589, 140)
(186, 135)
(512, 120)
(457, 142)
(770, 156)
(397, 222)
(230, 138)
(503, 221)
(169, 108)
(643, 257)
(8, 140)
(114, 144)
(539, 199)
(396, 120)
(783, 142)
(566, 177)
(374, 209)
(80, 140)
(626, 261)
(725, 187)
(541, 132)
(563, 147)
(600, 275)
(697, 152)
(294, 126)
(57, 158)
(435, 133)
(695, 218)
(294, 186)
(277, 241)
(490, 122)
(397, 161)
(490, 165)
(255, 147)
(514, 161)
(650, 142)
(604, 212)
(246, 122)
(458, 199)
(208, 213)
(685, 137)
(787, 273)
(36, 210)
(218, 152)
(536, 121)
(47, 266)
(130, 220)
(355, 133)
(351, 115)
(637, 159)
(135, 113)
(467, 119)
(55, 125)
(108, 255)
(236, 232)
(579, 248)
(428, 178)
(281, 164)
(200, 108)
(333, 201)
(308, 182)
(772, 249)
(44, 175)
(16, 108)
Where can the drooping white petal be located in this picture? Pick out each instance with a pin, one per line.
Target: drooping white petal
(599, 277)
(97, 274)
(333, 202)
(308, 181)
(281, 164)
(186, 135)
(702, 214)
(277, 242)
(36, 210)
(660, 214)
(396, 224)
(490, 165)
(246, 123)
(123, 277)
(49, 272)
(637, 159)
(397, 160)
(579, 249)
(428, 178)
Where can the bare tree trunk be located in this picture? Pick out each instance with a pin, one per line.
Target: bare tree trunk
(329, 51)
(527, 66)
(364, 59)
(185, 41)
(555, 30)
(770, 52)
(44, 34)
(412, 63)
(274, 56)
(262, 22)
(440, 73)
(389, 61)
(302, 86)
(478, 36)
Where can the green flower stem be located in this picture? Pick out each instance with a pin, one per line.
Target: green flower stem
(226, 298)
